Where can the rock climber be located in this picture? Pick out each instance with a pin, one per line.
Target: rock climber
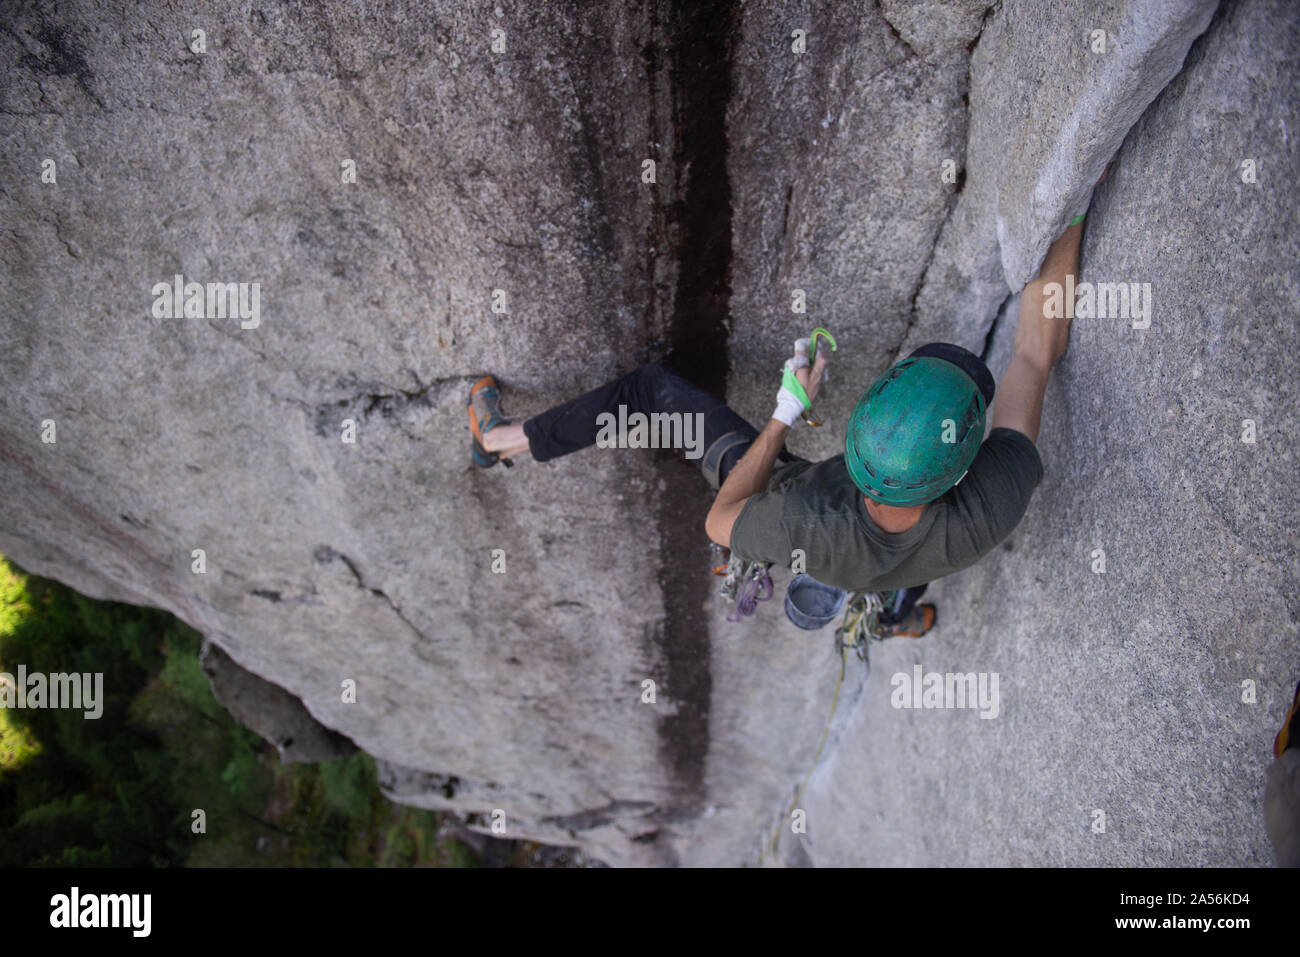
(919, 491)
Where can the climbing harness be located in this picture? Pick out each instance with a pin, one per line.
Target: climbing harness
(861, 624)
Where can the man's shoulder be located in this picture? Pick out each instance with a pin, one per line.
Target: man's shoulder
(1002, 434)
(808, 487)
(1013, 446)
(803, 470)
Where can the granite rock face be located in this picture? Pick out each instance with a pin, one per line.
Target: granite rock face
(271, 711)
(554, 193)
(1148, 693)
(1054, 88)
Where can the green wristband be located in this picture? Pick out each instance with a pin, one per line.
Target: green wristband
(791, 384)
(1077, 220)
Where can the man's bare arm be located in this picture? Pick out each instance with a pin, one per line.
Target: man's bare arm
(749, 477)
(754, 470)
(1040, 341)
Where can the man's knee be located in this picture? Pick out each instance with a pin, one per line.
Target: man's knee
(721, 456)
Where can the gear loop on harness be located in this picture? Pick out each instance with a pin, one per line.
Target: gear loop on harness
(745, 584)
(861, 623)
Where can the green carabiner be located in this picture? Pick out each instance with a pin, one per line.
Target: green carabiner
(807, 415)
(812, 346)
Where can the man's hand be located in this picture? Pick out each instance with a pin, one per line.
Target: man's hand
(811, 379)
(752, 473)
(1041, 339)
(789, 404)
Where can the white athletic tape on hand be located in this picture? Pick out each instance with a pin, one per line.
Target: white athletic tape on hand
(788, 407)
(800, 359)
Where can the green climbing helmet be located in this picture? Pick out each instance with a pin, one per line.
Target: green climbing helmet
(915, 432)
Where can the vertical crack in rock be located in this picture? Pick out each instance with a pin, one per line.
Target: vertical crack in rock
(986, 352)
(700, 65)
(990, 332)
(699, 44)
(919, 287)
(922, 280)
(657, 260)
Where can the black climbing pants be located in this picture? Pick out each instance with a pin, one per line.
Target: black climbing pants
(652, 388)
(902, 605)
(656, 388)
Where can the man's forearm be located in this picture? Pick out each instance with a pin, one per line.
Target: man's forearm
(1041, 338)
(752, 473)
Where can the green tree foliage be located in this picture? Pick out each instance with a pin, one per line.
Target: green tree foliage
(123, 790)
(95, 794)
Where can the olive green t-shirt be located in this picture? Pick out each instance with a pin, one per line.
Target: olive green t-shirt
(816, 507)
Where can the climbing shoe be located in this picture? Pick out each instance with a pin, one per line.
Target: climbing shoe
(919, 621)
(484, 415)
(1289, 736)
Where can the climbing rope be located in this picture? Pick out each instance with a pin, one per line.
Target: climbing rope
(747, 583)
(857, 629)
